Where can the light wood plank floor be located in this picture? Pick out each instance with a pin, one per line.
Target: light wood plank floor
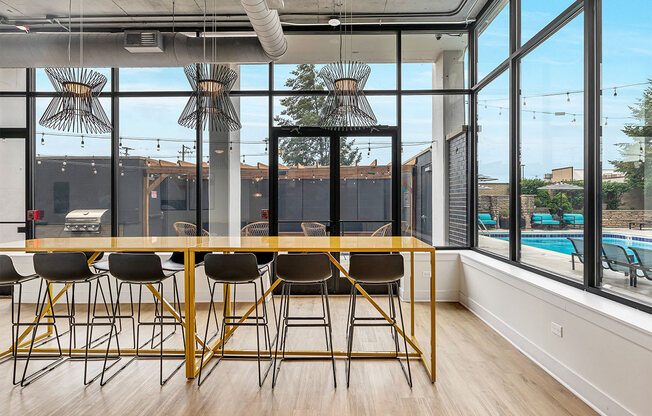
(479, 373)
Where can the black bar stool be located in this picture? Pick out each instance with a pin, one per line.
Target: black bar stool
(303, 269)
(65, 268)
(376, 269)
(236, 269)
(142, 269)
(175, 264)
(10, 277)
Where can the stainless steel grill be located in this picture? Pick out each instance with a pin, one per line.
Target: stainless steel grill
(86, 221)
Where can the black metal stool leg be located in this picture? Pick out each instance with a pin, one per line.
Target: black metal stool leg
(330, 330)
(407, 357)
(278, 332)
(208, 321)
(25, 381)
(349, 348)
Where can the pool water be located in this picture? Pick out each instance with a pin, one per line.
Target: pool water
(563, 245)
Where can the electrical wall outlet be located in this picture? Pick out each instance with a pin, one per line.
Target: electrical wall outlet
(557, 329)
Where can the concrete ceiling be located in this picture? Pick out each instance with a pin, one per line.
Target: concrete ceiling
(120, 14)
(371, 48)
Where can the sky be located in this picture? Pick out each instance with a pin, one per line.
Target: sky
(555, 67)
(548, 141)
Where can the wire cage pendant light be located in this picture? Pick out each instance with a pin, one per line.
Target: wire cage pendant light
(346, 105)
(210, 103)
(76, 106)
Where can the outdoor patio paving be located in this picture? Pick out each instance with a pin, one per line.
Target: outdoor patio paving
(560, 263)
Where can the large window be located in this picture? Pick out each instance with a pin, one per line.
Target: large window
(626, 156)
(157, 167)
(538, 125)
(72, 182)
(493, 166)
(433, 60)
(536, 14)
(493, 38)
(552, 149)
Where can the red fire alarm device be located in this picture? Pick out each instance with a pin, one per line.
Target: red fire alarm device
(34, 214)
(264, 214)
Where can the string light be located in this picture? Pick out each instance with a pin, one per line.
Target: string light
(122, 173)
(534, 115)
(120, 142)
(524, 103)
(568, 97)
(38, 159)
(93, 162)
(606, 121)
(82, 141)
(615, 93)
(42, 139)
(158, 145)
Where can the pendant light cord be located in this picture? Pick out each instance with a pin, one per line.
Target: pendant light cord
(81, 34)
(204, 32)
(69, 28)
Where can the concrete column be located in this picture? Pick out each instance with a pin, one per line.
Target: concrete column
(224, 180)
(447, 119)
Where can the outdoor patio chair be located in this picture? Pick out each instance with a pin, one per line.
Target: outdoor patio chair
(578, 245)
(313, 229)
(486, 220)
(573, 219)
(386, 230)
(255, 229)
(544, 220)
(644, 266)
(617, 259)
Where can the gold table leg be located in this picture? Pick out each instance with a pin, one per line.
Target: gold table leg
(189, 305)
(433, 343)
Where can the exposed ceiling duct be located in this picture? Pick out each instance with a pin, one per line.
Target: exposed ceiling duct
(267, 25)
(107, 50)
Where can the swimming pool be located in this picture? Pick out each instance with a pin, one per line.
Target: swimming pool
(563, 244)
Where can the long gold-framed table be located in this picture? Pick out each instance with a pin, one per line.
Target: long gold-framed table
(191, 245)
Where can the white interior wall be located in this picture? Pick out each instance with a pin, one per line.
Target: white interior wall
(605, 352)
(12, 156)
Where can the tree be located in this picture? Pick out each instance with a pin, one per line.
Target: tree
(612, 193)
(302, 110)
(641, 132)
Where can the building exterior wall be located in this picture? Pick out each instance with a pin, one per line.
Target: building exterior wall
(457, 191)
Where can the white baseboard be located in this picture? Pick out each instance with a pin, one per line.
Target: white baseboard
(586, 391)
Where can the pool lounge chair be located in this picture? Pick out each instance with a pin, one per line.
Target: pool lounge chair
(486, 220)
(573, 219)
(544, 220)
(617, 259)
(578, 245)
(644, 266)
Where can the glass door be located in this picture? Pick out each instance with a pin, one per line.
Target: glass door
(366, 186)
(304, 186)
(331, 183)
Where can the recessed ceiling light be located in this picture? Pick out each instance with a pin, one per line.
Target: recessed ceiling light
(334, 22)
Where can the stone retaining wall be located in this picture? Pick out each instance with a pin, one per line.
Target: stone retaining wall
(620, 218)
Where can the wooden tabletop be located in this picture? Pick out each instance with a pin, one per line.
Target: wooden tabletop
(313, 244)
(102, 244)
(283, 243)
